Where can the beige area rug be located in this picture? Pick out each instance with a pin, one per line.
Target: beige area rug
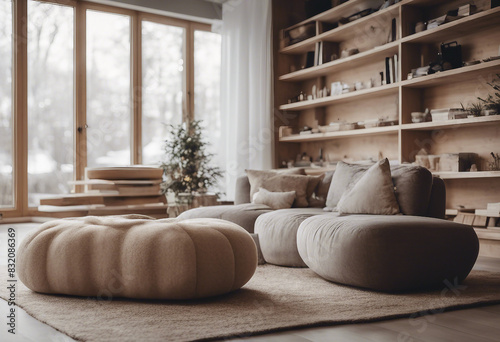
(276, 298)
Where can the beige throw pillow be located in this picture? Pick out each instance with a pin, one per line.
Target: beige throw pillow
(279, 182)
(373, 193)
(345, 174)
(275, 200)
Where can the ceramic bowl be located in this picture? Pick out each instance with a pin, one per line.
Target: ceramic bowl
(417, 117)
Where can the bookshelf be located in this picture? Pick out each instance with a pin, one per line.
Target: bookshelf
(479, 38)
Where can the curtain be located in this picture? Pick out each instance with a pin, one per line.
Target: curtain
(246, 89)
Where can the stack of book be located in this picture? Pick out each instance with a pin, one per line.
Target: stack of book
(492, 210)
(113, 191)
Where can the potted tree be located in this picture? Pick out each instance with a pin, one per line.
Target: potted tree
(187, 167)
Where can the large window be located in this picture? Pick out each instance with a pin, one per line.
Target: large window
(207, 59)
(6, 152)
(108, 89)
(95, 85)
(163, 70)
(50, 99)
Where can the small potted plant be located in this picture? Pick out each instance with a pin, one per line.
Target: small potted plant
(492, 102)
(475, 109)
(187, 169)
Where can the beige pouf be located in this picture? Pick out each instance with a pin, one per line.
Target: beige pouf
(137, 257)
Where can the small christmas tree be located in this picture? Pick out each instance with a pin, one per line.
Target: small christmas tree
(187, 168)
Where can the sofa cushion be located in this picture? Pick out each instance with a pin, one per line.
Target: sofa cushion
(274, 200)
(243, 215)
(387, 253)
(373, 193)
(344, 175)
(413, 186)
(279, 182)
(277, 232)
(318, 198)
(242, 193)
(412, 183)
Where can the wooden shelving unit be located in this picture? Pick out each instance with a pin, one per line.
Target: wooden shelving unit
(342, 134)
(352, 61)
(450, 124)
(467, 175)
(455, 75)
(344, 32)
(455, 28)
(478, 35)
(325, 101)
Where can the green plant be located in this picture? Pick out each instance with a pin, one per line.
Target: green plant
(493, 101)
(495, 164)
(188, 163)
(474, 108)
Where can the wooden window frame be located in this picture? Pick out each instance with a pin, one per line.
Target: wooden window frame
(20, 90)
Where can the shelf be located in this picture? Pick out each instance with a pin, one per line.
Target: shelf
(341, 134)
(467, 175)
(487, 233)
(344, 10)
(325, 101)
(341, 33)
(450, 124)
(339, 64)
(456, 28)
(484, 212)
(454, 75)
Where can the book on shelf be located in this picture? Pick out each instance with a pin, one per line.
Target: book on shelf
(393, 30)
(309, 59)
(323, 52)
(396, 75)
(493, 208)
(316, 53)
(388, 70)
(153, 189)
(328, 51)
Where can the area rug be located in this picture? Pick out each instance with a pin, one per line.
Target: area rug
(276, 298)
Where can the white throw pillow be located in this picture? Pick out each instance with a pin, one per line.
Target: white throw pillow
(275, 200)
(373, 193)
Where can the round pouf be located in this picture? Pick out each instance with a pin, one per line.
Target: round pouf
(137, 256)
(388, 253)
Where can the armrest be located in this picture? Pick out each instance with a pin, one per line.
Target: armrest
(437, 202)
(242, 191)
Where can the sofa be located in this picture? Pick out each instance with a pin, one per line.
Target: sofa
(392, 238)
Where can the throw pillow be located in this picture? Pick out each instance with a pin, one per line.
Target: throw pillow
(275, 200)
(344, 175)
(313, 183)
(279, 182)
(373, 193)
(318, 198)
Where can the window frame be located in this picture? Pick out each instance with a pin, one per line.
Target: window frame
(20, 84)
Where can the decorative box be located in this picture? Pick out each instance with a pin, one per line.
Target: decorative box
(457, 162)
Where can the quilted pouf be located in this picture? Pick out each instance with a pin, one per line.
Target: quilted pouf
(137, 257)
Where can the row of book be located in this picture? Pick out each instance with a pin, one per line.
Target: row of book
(113, 191)
(390, 74)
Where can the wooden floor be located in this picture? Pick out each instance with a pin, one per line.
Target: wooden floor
(477, 324)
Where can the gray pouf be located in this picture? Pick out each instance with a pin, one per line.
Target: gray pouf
(388, 253)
